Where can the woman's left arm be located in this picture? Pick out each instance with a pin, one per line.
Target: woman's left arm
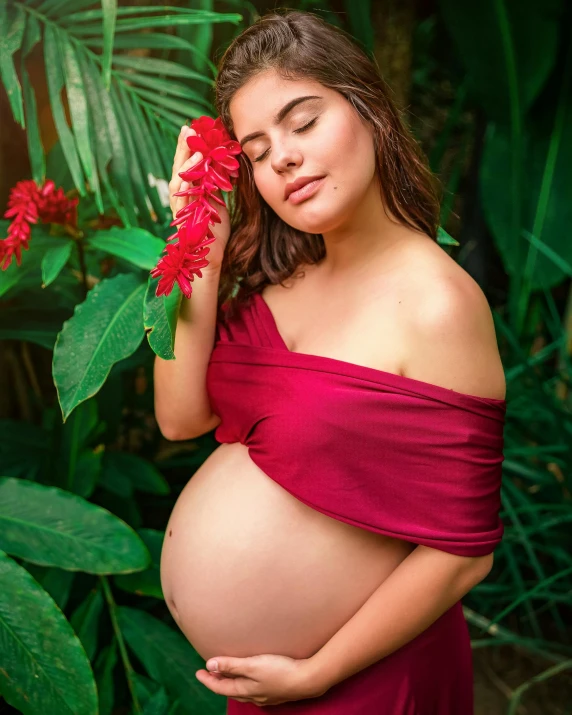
(425, 585)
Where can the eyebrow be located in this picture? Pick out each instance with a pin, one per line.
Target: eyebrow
(281, 115)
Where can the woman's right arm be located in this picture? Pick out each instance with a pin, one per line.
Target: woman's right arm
(182, 407)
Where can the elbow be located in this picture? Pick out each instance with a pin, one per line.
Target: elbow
(173, 432)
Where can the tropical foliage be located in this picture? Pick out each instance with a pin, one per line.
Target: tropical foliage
(86, 483)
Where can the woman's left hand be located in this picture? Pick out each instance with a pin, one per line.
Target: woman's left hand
(260, 679)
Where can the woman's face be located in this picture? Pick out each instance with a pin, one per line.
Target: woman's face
(323, 136)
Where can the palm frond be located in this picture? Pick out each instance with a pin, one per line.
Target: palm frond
(118, 123)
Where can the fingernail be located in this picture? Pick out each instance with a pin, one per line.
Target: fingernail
(213, 665)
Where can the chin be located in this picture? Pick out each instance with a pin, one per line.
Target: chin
(319, 223)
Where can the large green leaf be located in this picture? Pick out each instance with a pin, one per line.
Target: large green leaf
(13, 23)
(135, 245)
(169, 659)
(52, 527)
(160, 318)
(44, 666)
(105, 328)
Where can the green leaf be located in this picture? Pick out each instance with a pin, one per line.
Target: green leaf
(78, 466)
(444, 239)
(44, 666)
(160, 319)
(52, 7)
(55, 78)
(104, 667)
(171, 20)
(169, 659)
(109, 9)
(177, 105)
(158, 703)
(156, 67)
(12, 22)
(85, 620)
(153, 163)
(105, 328)
(36, 151)
(162, 140)
(79, 114)
(139, 180)
(52, 527)
(54, 260)
(148, 582)
(175, 89)
(144, 147)
(56, 582)
(108, 143)
(152, 40)
(135, 245)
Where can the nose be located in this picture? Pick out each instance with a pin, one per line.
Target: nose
(285, 158)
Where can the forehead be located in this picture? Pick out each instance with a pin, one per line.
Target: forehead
(256, 102)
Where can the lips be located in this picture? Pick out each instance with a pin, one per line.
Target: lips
(299, 183)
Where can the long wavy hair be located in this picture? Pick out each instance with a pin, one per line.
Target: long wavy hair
(263, 248)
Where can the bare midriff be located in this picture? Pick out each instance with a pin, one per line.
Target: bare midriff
(247, 568)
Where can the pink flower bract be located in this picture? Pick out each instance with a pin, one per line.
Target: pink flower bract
(218, 169)
(29, 204)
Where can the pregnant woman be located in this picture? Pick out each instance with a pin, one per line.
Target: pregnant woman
(351, 370)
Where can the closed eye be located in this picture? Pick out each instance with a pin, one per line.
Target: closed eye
(296, 131)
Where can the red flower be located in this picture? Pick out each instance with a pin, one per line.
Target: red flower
(218, 169)
(218, 164)
(184, 259)
(28, 204)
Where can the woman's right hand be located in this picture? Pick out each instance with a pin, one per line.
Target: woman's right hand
(183, 161)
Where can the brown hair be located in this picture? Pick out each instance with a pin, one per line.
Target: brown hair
(262, 248)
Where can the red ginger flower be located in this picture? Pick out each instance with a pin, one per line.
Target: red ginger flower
(217, 169)
(28, 204)
(184, 259)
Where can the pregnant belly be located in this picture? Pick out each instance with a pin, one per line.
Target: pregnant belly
(246, 568)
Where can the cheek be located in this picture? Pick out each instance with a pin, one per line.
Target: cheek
(349, 152)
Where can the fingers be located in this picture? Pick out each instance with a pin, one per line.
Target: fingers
(181, 162)
(182, 151)
(177, 184)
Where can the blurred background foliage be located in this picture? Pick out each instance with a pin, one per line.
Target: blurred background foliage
(93, 98)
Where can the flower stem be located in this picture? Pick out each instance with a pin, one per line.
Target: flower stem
(129, 672)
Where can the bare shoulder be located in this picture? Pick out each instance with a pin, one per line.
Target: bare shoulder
(450, 338)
